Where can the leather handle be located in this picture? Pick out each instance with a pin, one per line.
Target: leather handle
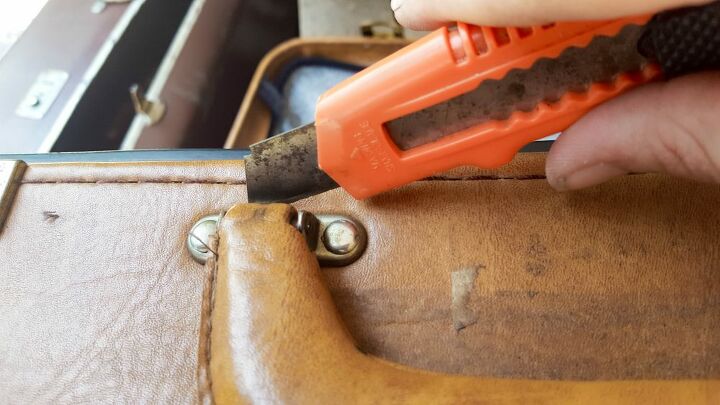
(277, 337)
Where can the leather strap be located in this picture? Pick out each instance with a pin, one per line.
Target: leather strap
(277, 337)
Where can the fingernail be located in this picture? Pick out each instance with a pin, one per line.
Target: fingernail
(396, 4)
(585, 177)
(558, 183)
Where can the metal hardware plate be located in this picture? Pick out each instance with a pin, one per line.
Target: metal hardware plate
(42, 94)
(336, 239)
(11, 171)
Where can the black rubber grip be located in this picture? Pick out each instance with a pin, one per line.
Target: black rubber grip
(684, 41)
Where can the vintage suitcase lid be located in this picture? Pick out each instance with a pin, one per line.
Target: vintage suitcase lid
(53, 77)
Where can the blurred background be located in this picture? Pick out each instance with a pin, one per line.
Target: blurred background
(86, 75)
(67, 68)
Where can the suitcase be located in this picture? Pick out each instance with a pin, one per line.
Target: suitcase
(609, 294)
(157, 282)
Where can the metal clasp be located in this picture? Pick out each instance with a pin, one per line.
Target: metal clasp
(382, 30)
(152, 110)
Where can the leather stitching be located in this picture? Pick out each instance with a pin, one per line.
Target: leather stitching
(205, 395)
(242, 183)
(488, 178)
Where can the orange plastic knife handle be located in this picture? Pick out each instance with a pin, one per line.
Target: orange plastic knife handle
(355, 149)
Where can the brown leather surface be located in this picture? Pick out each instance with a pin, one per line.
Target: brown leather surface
(276, 337)
(621, 281)
(100, 301)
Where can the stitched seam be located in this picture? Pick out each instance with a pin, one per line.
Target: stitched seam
(204, 376)
(205, 394)
(209, 396)
(528, 177)
(242, 183)
(227, 183)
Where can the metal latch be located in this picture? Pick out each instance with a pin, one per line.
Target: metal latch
(11, 172)
(337, 240)
(382, 30)
(152, 110)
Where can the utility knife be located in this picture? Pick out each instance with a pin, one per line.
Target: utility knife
(470, 95)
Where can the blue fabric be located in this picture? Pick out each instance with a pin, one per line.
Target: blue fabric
(293, 95)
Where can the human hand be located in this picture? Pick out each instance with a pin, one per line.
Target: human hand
(671, 127)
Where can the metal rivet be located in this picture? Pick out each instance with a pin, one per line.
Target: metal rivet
(199, 239)
(337, 240)
(34, 102)
(341, 237)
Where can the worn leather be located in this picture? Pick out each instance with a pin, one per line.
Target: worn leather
(276, 337)
(618, 282)
(100, 301)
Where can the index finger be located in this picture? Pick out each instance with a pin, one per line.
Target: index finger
(430, 14)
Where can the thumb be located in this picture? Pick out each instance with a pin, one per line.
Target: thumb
(671, 127)
(429, 14)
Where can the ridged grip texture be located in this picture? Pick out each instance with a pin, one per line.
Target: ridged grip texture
(684, 41)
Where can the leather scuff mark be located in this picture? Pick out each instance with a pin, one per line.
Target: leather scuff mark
(50, 216)
(463, 284)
